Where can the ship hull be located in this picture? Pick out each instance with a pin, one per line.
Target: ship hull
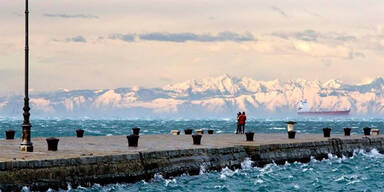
(325, 113)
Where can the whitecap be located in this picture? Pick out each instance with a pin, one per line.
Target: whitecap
(259, 181)
(247, 163)
(354, 181)
(92, 131)
(168, 181)
(25, 189)
(202, 169)
(157, 177)
(226, 172)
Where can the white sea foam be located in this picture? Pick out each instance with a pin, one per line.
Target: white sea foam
(92, 131)
(226, 172)
(247, 163)
(202, 169)
(313, 159)
(158, 177)
(25, 189)
(278, 128)
(374, 153)
(168, 181)
(258, 181)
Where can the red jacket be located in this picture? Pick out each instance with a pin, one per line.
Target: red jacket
(242, 119)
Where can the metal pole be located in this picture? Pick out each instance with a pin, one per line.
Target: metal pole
(26, 144)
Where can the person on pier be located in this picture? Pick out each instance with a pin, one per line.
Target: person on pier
(242, 119)
(238, 130)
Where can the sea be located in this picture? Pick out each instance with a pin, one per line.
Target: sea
(364, 171)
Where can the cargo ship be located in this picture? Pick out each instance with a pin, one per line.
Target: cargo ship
(304, 110)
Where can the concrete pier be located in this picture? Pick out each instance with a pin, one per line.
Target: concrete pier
(89, 160)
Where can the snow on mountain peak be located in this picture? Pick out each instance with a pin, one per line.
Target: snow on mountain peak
(333, 83)
(213, 96)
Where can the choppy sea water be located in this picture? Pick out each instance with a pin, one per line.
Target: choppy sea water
(363, 172)
(64, 128)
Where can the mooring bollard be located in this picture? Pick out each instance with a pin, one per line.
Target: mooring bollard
(175, 132)
(249, 135)
(367, 131)
(199, 131)
(290, 125)
(133, 140)
(79, 133)
(347, 131)
(10, 134)
(188, 131)
(327, 132)
(291, 134)
(197, 139)
(375, 132)
(210, 131)
(52, 143)
(136, 131)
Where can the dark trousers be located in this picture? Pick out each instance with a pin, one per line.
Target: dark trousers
(242, 128)
(238, 130)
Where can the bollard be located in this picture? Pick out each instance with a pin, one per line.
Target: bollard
(133, 140)
(375, 132)
(199, 131)
(10, 134)
(249, 135)
(136, 131)
(367, 131)
(210, 131)
(188, 131)
(197, 139)
(347, 131)
(327, 132)
(291, 125)
(52, 143)
(291, 134)
(79, 133)
(175, 132)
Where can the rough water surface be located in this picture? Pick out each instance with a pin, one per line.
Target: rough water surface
(363, 172)
(66, 128)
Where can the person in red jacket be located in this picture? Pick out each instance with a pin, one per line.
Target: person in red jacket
(242, 119)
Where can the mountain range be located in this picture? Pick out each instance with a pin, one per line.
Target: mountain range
(214, 97)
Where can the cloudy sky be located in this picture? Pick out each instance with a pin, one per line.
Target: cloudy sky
(92, 44)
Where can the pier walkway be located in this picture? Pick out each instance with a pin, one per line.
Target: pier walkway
(108, 159)
(72, 147)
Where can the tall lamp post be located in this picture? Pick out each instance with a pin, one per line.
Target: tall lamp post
(26, 144)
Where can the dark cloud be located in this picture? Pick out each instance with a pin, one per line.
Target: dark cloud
(123, 37)
(307, 35)
(354, 54)
(278, 10)
(68, 16)
(345, 38)
(311, 35)
(183, 37)
(77, 39)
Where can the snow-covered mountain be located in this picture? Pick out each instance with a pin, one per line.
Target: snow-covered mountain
(217, 97)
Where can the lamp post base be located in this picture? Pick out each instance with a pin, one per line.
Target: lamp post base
(26, 147)
(26, 144)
